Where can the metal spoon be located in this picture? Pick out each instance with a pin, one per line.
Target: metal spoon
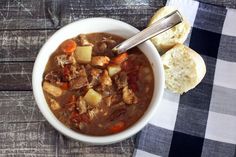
(156, 28)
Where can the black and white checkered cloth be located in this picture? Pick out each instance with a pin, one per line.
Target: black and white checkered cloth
(201, 122)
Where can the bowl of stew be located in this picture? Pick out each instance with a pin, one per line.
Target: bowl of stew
(89, 93)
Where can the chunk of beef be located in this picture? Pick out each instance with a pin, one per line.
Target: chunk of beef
(93, 113)
(107, 100)
(102, 46)
(105, 79)
(88, 67)
(81, 79)
(100, 60)
(129, 96)
(74, 72)
(93, 75)
(78, 83)
(104, 90)
(81, 105)
(118, 105)
(117, 114)
(77, 118)
(109, 41)
(95, 72)
(53, 76)
(121, 80)
(94, 79)
(70, 72)
(83, 41)
(116, 98)
(63, 60)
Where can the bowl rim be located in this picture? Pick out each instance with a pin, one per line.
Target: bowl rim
(107, 139)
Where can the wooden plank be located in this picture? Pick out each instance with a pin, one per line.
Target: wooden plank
(27, 14)
(15, 75)
(22, 45)
(24, 131)
(19, 106)
(41, 139)
(68, 148)
(134, 12)
(52, 14)
(32, 139)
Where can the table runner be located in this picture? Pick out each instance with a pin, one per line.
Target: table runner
(201, 122)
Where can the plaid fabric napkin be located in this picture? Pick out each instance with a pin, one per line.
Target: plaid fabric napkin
(201, 122)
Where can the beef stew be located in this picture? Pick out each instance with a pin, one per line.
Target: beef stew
(93, 91)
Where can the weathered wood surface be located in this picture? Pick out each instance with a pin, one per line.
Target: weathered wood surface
(24, 26)
(22, 45)
(27, 14)
(52, 14)
(15, 75)
(24, 131)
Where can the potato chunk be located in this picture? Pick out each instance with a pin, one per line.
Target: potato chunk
(113, 69)
(54, 105)
(83, 54)
(51, 89)
(92, 97)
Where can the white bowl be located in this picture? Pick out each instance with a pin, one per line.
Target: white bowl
(91, 25)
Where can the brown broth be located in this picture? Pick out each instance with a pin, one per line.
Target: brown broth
(140, 81)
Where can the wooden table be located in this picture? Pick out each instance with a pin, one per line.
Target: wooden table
(25, 25)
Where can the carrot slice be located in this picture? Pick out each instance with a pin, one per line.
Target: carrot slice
(119, 126)
(120, 58)
(64, 85)
(68, 46)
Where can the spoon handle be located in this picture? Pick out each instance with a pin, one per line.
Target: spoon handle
(156, 28)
